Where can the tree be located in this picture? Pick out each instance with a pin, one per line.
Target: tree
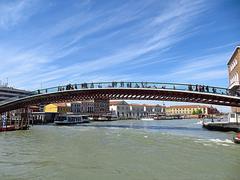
(194, 112)
(199, 111)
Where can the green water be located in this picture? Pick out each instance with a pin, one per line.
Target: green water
(136, 150)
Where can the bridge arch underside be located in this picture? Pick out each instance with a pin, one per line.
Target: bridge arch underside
(120, 94)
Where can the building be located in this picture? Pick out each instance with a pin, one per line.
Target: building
(125, 110)
(82, 107)
(101, 107)
(61, 108)
(234, 73)
(119, 108)
(189, 110)
(9, 92)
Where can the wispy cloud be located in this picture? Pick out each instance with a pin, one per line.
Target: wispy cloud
(109, 42)
(13, 12)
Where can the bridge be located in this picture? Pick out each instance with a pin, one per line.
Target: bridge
(128, 91)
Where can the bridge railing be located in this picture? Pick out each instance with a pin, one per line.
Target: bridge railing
(152, 85)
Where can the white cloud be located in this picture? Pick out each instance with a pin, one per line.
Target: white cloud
(12, 13)
(46, 58)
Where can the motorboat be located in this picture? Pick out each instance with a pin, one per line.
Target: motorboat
(71, 119)
(147, 119)
(236, 139)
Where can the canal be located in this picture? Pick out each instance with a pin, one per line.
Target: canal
(134, 150)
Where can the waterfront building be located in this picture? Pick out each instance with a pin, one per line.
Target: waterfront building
(119, 108)
(101, 107)
(82, 107)
(61, 108)
(137, 110)
(9, 92)
(125, 110)
(189, 110)
(154, 109)
(234, 72)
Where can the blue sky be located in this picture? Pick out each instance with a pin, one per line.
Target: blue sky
(53, 42)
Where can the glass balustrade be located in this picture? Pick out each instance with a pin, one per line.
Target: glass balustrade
(121, 84)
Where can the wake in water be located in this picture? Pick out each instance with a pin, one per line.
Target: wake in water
(208, 142)
(199, 122)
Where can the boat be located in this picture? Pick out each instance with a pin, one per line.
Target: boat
(13, 128)
(147, 119)
(236, 139)
(71, 119)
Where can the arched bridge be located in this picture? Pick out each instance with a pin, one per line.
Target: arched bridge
(128, 91)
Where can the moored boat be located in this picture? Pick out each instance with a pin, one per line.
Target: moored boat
(147, 119)
(13, 128)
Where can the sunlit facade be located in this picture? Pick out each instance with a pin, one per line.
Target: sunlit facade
(234, 73)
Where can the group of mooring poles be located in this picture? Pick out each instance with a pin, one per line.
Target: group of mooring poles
(15, 120)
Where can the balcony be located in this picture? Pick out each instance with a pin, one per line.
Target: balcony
(234, 85)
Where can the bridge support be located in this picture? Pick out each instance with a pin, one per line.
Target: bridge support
(24, 123)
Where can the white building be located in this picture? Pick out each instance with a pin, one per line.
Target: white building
(123, 109)
(119, 108)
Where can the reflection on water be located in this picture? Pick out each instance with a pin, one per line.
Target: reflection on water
(120, 150)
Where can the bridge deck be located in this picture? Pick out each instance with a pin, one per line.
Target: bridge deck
(128, 90)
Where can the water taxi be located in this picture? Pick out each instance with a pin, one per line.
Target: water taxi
(147, 119)
(71, 119)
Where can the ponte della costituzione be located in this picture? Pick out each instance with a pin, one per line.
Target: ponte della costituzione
(105, 91)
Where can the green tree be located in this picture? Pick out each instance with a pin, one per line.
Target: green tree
(194, 112)
(199, 111)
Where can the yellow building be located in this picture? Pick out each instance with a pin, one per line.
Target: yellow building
(57, 108)
(234, 72)
(190, 110)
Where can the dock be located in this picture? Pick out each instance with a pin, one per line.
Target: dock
(222, 126)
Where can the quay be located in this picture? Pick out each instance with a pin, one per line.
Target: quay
(222, 126)
(232, 123)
